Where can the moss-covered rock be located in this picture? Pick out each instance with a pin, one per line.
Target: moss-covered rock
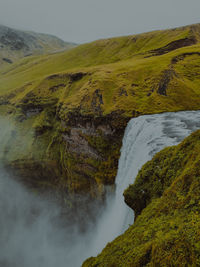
(166, 198)
(78, 155)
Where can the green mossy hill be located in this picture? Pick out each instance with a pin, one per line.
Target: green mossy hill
(15, 44)
(166, 198)
(147, 73)
(77, 102)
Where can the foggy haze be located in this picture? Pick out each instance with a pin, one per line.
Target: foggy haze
(31, 232)
(83, 21)
(35, 230)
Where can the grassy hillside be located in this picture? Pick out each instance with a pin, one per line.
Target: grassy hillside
(130, 72)
(167, 227)
(74, 105)
(15, 44)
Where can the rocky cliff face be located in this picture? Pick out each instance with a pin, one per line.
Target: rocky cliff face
(93, 143)
(78, 156)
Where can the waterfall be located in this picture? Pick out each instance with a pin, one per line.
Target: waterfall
(144, 136)
(31, 233)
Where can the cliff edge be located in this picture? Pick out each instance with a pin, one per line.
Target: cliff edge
(165, 198)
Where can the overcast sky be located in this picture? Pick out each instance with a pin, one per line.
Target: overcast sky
(86, 20)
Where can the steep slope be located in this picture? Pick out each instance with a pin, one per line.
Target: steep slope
(73, 106)
(15, 44)
(165, 198)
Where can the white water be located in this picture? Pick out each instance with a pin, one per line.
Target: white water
(29, 240)
(144, 136)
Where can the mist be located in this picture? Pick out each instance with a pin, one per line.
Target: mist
(32, 231)
(39, 230)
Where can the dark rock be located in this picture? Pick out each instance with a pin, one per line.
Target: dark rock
(182, 56)
(164, 82)
(122, 92)
(97, 101)
(57, 87)
(174, 45)
(73, 77)
(76, 76)
(7, 60)
(134, 84)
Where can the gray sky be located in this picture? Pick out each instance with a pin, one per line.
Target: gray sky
(87, 20)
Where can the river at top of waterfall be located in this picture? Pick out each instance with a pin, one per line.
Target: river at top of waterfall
(29, 235)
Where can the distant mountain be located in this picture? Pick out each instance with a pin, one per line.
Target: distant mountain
(15, 44)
